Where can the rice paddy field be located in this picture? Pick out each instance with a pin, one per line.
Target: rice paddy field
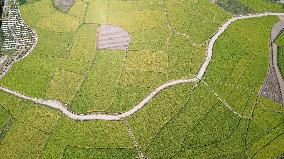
(220, 116)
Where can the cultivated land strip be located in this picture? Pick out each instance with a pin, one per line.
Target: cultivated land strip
(136, 145)
(118, 116)
(226, 104)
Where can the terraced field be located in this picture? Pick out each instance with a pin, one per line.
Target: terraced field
(191, 104)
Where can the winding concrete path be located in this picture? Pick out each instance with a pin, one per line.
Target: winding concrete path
(273, 87)
(276, 31)
(119, 116)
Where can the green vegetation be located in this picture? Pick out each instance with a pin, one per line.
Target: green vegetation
(234, 7)
(4, 117)
(184, 58)
(203, 126)
(64, 86)
(66, 66)
(245, 50)
(31, 75)
(97, 12)
(244, 7)
(99, 90)
(198, 19)
(146, 61)
(160, 127)
(221, 116)
(6, 122)
(281, 59)
(42, 132)
(76, 152)
(40, 65)
(31, 127)
(263, 5)
(94, 134)
(280, 42)
(23, 141)
(136, 16)
(154, 39)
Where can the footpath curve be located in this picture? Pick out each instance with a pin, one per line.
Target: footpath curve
(273, 86)
(118, 116)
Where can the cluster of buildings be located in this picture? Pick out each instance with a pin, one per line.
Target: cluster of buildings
(18, 38)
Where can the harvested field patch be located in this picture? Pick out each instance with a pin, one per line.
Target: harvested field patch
(63, 5)
(113, 38)
(271, 88)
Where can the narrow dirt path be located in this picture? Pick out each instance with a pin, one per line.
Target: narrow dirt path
(118, 116)
(135, 143)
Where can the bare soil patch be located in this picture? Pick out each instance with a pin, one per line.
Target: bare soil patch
(113, 38)
(63, 5)
(271, 88)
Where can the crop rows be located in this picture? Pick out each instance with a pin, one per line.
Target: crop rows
(168, 42)
(71, 53)
(206, 136)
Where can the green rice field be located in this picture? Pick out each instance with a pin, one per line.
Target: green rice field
(219, 116)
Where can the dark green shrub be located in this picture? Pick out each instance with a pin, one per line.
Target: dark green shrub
(234, 7)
